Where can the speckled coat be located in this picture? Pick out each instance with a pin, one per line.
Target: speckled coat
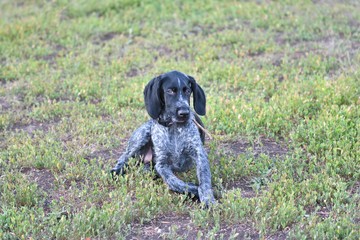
(171, 138)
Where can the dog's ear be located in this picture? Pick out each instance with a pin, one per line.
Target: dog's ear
(199, 97)
(152, 97)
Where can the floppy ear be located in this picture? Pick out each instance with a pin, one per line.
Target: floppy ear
(152, 97)
(199, 97)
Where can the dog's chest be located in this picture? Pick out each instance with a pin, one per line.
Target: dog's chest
(172, 142)
(176, 142)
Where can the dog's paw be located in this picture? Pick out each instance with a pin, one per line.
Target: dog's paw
(116, 172)
(207, 198)
(209, 203)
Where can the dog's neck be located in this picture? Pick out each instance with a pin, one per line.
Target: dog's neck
(164, 121)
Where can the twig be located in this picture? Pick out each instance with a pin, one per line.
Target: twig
(202, 128)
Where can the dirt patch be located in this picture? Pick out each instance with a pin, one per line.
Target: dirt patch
(48, 184)
(44, 180)
(355, 189)
(336, 49)
(239, 231)
(4, 105)
(167, 225)
(108, 36)
(107, 156)
(244, 185)
(51, 57)
(262, 146)
(354, 192)
(163, 50)
(279, 235)
(6, 80)
(324, 212)
(105, 37)
(133, 72)
(42, 177)
(34, 126)
(102, 154)
(160, 227)
(321, 211)
(106, 159)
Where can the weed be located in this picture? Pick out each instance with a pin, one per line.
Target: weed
(282, 85)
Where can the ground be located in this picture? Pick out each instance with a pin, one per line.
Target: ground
(283, 95)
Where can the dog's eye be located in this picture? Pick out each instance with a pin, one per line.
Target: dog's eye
(171, 91)
(187, 91)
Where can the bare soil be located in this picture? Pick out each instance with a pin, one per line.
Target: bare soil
(161, 227)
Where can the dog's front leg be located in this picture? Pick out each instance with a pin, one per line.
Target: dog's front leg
(204, 176)
(174, 183)
(137, 141)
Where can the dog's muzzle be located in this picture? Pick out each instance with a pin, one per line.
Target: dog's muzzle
(182, 114)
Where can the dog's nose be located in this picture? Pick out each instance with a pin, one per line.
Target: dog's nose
(183, 113)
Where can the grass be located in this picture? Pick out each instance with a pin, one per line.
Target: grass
(282, 83)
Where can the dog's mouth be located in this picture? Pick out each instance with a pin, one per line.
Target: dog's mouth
(182, 120)
(179, 119)
(169, 121)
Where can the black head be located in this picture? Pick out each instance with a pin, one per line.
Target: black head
(167, 97)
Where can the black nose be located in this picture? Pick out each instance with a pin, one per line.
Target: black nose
(183, 113)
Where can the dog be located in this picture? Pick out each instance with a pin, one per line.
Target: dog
(172, 140)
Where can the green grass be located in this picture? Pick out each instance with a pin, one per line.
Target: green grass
(283, 94)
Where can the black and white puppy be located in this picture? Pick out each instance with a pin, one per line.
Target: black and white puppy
(172, 140)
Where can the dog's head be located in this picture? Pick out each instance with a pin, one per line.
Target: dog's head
(167, 97)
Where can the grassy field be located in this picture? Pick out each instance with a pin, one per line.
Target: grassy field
(283, 87)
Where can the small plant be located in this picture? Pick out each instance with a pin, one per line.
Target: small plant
(282, 87)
